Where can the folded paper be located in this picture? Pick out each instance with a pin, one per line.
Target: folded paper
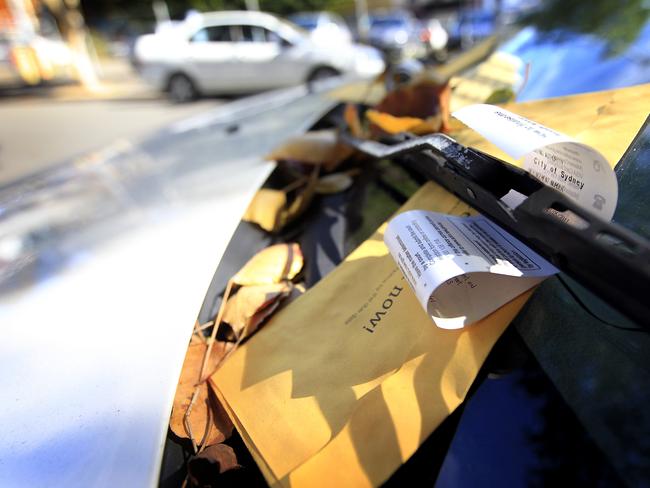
(343, 385)
(570, 167)
(461, 268)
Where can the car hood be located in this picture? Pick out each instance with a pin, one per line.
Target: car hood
(104, 263)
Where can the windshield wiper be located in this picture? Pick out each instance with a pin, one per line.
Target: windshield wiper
(610, 260)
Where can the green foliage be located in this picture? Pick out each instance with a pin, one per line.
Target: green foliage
(281, 7)
(139, 9)
(288, 7)
(618, 22)
(210, 5)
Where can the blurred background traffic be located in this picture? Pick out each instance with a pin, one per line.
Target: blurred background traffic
(133, 136)
(76, 75)
(49, 40)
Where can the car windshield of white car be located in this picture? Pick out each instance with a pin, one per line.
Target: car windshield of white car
(255, 33)
(215, 33)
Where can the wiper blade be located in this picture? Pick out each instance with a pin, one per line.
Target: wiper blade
(608, 259)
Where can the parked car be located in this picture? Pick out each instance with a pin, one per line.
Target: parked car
(471, 26)
(239, 52)
(105, 260)
(435, 38)
(397, 34)
(325, 27)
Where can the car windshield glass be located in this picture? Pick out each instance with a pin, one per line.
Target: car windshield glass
(253, 33)
(576, 47)
(387, 22)
(219, 33)
(309, 23)
(477, 16)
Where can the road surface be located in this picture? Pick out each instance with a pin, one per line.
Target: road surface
(37, 132)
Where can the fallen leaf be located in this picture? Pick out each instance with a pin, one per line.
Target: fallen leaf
(428, 126)
(251, 305)
(334, 183)
(320, 147)
(272, 209)
(266, 209)
(207, 415)
(392, 124)
(271, 265)
(420, 100)
(301, 201)
(501, 95)
(352, 120)
(204, 468)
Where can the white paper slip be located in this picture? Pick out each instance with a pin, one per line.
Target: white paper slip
(461, 268)
(570, 167)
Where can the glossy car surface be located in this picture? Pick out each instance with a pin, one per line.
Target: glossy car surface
(104, 262)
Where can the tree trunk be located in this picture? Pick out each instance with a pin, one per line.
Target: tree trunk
(72, 26)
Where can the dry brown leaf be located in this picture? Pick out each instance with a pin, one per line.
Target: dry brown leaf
(266, 209)
(251, 305)
(394, 125)
(207, 414)
(320, 147)
(420, 100)
(271, 265)
(205, 467)
(334, 183)
(391, 124)
(302, 200)
(428, 126)
(352, 120)
(271, 210)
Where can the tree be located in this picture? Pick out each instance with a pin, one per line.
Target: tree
(71, 23)
(102, 9)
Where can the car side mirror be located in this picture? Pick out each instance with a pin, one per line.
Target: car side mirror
(284, 44)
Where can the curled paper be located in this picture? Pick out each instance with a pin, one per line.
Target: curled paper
(570, 167)
(461, 268)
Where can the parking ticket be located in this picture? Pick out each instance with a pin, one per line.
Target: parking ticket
(461, 268)
(570, 167)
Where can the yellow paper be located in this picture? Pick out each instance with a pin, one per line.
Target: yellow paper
(321, 401)
(605, 120)
(323, 398)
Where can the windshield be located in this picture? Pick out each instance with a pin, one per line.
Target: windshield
(308, 22)
(388, 22)
(576, 47)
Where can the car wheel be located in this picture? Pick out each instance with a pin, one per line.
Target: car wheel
(181, 89)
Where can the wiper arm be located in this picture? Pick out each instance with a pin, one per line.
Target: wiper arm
(606, 258)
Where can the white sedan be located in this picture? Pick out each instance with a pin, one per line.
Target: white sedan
(239, 52)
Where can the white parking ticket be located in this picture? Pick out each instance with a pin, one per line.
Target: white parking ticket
(461, 268)
(570, 167)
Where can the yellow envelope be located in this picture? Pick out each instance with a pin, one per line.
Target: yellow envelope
(343, 385)
(606, 120)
